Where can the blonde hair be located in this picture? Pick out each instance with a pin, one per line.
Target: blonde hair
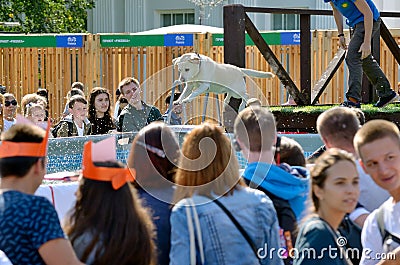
(374, 130)
(31, 98)
(207, 164)
(31, 106)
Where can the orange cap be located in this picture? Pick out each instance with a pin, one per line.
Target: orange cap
(117, 176)
(14, 149)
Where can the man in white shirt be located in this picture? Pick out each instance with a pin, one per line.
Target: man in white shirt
(378, 145)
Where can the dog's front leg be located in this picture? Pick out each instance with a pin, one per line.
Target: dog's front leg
(187, 90)
(201, 89)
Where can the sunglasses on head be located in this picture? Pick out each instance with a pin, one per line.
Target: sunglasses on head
(8, 103)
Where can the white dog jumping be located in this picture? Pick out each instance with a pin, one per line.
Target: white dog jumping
(201, 75)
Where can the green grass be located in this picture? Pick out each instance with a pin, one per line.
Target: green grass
(366, 108)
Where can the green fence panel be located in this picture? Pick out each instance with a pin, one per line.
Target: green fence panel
(20, 41)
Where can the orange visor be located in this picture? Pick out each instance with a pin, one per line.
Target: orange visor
(117, 176)
(15, 149)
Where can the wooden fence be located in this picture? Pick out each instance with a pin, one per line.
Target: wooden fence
(23, 70)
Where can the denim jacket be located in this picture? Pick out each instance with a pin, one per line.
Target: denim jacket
(222, 241)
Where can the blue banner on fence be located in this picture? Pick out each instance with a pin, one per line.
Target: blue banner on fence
(178, 40)
(290, 38)
(71, 41)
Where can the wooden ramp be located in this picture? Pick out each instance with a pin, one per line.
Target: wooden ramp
(326, 77)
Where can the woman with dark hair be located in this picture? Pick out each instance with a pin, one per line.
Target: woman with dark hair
(208, 181)
(99, 111)
(108, 224)
(154, 155)
(335, 191)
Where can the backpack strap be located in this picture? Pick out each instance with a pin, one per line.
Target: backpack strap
(380, 221)
(238, 226)
(192, 235)
(393, 237)
(381, 225)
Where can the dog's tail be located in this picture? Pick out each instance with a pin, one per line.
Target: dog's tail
(255, 73)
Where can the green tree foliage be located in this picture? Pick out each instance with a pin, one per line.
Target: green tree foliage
(46, 16)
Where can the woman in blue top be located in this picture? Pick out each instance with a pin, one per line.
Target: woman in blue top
(335, 192)
(363, 17)
(208, 168)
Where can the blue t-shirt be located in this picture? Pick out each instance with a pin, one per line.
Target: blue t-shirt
(26, 223)
(351, 12)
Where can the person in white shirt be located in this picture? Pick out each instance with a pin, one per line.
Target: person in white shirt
(377, 144)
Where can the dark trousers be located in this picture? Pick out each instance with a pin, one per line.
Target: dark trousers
(369, 65)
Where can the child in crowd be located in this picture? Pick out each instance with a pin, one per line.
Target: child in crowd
(108, 224)
(76, 89)
(289, 151)
(32, 98)
(75, 124)
(36, 113)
